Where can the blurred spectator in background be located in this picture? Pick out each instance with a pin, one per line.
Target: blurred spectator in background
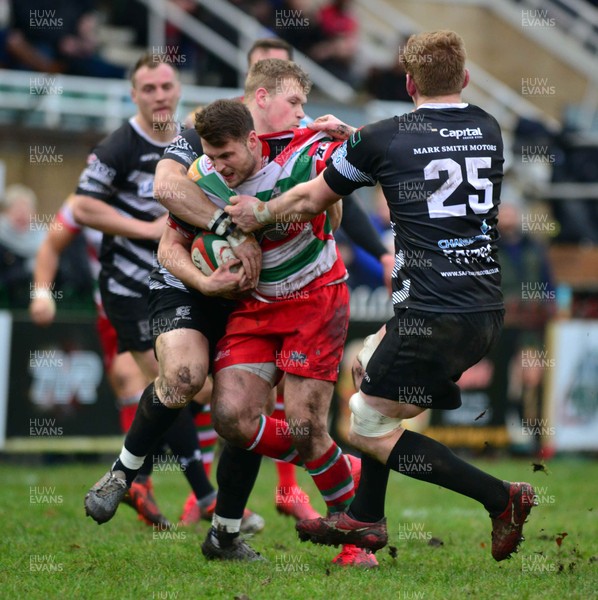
(134, 16)
(57, 37)
(264, 11)
(388, 82)
(363, 268)
(269, 48)
(22, 232)
(340, 39)
(526, 275)
(565, 158)
(296, 21)
(576, 164)
(181, 50)
(19, 242)
(206, 67)
(329, 36)
(529, 298)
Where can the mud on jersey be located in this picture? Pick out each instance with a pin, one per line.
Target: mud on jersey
(297, 257)
(441, 173)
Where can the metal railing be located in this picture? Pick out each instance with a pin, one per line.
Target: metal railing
(50, 101)
(565, 29)
(566, 35)
(248, 29)
(495, 96)
(578, 18)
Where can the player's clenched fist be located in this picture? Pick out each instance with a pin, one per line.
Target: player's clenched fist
(248, 212)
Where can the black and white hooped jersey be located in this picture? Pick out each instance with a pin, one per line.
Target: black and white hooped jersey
(120, 171)
(440, 168)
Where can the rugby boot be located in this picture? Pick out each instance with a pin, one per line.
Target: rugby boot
(352, 556)
(217, 546)
(191, 511)
(339, 528)
(140, 496)
(508, 526)
(103, 498)
(294, 502)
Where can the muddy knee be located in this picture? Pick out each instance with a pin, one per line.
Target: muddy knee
(177, 386)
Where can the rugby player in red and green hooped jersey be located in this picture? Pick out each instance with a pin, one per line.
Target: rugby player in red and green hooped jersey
(276, 331)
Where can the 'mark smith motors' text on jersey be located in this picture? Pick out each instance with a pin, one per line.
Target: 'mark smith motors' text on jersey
(440, 168)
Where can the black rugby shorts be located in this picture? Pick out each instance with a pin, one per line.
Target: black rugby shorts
(171, 309)
(423, 354)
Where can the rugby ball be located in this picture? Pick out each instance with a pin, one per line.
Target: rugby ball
(209, 251)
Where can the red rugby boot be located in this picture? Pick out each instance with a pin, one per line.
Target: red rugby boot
(352, 556)
(339, 528)
(508, 526)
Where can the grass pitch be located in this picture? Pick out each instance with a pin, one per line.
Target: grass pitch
(439, 543)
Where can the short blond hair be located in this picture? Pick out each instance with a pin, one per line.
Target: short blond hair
(273, 74)
(16, 193)
(436, 62)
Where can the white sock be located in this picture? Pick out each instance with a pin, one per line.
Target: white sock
(130, 460)
(227, 525)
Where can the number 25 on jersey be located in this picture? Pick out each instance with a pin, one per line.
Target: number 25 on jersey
(436, 201)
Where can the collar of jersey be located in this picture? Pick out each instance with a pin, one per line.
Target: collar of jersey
(440, 105)
(146, 137)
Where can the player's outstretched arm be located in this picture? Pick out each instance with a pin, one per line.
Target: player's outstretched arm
(174, 255)
(103, 217)
(333, 126)
(181, 196)
(301, 203)
(42, 307)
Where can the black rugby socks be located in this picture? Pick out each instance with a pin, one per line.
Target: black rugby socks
(151, 421)
(368, 504)
(182, 440)
(423, 458)
(236, 475)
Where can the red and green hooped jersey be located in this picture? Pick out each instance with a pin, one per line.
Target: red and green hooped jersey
(296, 256)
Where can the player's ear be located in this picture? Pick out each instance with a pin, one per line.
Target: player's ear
(252, 140)
(466, 78)
(134, 94)
(410, 85)
(261, 96)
